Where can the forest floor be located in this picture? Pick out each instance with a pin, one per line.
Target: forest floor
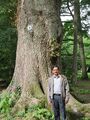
(81, 91)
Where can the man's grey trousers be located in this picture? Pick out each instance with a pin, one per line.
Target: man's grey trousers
(58, 107)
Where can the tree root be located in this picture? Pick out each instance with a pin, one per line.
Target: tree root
(78, 108)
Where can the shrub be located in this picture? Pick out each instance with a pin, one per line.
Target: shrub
(40, 113)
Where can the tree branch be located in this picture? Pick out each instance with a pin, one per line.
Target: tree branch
(70, 9)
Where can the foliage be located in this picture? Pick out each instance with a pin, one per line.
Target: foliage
(37, 112)
(8, 37)
(67, 50)
(42, 113)
(21, 113)
(54, 48)
(7, 102)
(85, 118)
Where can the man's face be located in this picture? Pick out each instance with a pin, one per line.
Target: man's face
(55, 71)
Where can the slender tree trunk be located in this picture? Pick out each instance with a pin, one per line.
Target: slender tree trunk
(74, 74)
(80, 41)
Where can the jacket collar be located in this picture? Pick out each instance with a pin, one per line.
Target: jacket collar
(58, 76)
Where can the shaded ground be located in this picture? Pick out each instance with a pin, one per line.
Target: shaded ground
(82, 91)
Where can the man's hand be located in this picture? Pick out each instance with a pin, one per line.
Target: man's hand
(50, 102)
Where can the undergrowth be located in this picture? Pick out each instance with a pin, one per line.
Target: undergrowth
(34, 112)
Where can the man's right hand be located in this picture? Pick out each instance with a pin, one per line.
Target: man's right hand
(50, 103)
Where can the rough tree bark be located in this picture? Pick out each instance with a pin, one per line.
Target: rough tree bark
(38, 23)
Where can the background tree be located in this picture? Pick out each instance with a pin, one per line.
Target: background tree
(8, 38)
(67, 10)
(74, 74)
(80, 41)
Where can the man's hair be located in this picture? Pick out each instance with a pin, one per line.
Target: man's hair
(55, 66)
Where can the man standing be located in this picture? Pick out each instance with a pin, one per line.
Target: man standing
(58, 90)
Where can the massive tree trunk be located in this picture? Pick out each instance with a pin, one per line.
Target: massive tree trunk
(38, 24)
(80, 41)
